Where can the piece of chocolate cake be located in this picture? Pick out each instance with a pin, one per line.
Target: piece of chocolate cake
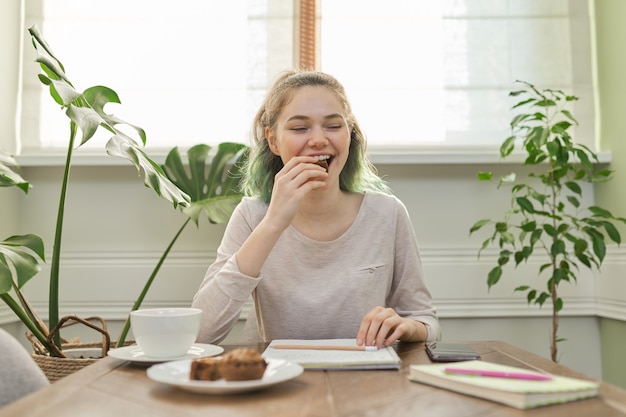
(323, 163)
(205, 369)
(242, 364)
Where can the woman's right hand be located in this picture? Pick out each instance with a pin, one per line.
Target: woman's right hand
(299, 176)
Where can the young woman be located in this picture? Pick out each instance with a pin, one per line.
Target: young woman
(323, 247)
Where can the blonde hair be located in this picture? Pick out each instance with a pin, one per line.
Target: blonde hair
(358, 174)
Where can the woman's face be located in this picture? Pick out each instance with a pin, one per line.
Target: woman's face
(313, 123)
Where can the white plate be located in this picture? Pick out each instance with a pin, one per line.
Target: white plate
(134, 354)
(177, 374)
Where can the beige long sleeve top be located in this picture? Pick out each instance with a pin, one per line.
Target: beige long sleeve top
(318, 290)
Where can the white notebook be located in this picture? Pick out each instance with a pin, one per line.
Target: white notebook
(519, 393)
(386, 358)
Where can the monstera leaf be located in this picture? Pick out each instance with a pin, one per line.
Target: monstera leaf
(19, 262)
(213, 186)
(8, 177)
(86, 111)
(15, 252)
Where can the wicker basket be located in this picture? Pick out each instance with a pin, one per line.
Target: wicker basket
(57, 367)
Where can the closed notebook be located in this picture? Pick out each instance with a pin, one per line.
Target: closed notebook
(519, 393)
(386, 358)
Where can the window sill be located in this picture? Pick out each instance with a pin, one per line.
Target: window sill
(412, 156)
(453, 156)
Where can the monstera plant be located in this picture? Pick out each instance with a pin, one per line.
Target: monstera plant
(547, 220)
(85, 110)
(212, 184)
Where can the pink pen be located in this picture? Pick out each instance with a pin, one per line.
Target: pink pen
(498, 374)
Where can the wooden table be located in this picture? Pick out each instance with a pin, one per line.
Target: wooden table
(114, 387)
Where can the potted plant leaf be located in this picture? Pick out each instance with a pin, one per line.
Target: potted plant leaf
(213, 186)
(8, 177)
(546, 220)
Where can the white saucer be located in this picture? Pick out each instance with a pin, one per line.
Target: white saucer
(134, 354)
(176, 373)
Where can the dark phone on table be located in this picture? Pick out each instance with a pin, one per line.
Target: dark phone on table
(450, 352)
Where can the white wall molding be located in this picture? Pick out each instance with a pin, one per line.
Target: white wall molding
(106, 283)
(611, 309)
(514, 306)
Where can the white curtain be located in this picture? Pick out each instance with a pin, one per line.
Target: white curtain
(188, 72)
(419, 73)
(438, 73)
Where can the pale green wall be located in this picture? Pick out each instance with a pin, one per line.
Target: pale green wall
(610, 33)
(613, 340)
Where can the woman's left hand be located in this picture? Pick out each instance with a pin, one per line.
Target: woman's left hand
(382, 327)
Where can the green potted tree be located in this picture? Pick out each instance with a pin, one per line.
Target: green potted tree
(546, 220)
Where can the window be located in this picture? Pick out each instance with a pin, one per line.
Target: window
(190, 71)
(439, 72)
(419, 73)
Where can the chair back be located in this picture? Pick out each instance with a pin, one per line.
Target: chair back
(19, 374)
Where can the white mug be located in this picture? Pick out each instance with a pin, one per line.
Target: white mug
(165, 332)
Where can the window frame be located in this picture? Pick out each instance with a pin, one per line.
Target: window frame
(307, 45)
